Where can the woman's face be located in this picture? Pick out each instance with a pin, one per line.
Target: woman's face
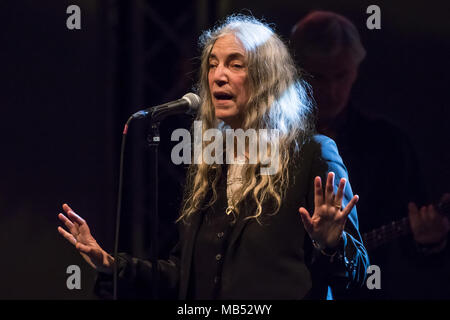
(228, 79)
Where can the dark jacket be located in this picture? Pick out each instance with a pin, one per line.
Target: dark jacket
(272, 260)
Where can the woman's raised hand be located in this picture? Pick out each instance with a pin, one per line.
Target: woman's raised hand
(327, 223)
(80, 236)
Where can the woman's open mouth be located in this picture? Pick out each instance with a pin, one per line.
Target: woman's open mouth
(223, 96)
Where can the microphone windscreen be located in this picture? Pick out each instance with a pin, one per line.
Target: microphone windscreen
(194, 101)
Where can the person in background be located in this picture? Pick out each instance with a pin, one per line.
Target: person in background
(380, 159)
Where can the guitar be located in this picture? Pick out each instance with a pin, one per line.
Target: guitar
(396, 229)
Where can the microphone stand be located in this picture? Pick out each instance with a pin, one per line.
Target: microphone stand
(153, 139)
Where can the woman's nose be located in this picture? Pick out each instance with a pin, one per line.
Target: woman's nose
(220, 76)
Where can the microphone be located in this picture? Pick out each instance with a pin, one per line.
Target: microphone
(189, 104)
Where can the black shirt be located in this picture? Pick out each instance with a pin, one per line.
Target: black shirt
(209, 253)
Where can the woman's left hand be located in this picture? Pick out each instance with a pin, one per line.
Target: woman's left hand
(327, 223)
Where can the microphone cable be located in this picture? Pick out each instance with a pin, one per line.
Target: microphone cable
(119, 208)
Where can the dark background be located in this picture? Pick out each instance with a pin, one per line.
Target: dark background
(66, 94)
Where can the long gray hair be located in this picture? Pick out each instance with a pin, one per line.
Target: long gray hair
(278, 99)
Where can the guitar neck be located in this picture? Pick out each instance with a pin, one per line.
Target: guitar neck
(396, 229)
(385, 234)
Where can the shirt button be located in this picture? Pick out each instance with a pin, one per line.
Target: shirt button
(220, 235)
(218, 257)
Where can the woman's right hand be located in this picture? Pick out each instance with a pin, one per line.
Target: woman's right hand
(80, 236)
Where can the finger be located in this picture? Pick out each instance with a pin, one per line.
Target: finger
(306, 218)
(423, 213)
(72, 215)
(318, 193)
(329, 189)
(413, 213)
(349, 207)
(67, 235)
(72, 228)
(412, 209)
(76, 219)
(431, 212)
(66, 208)
(340, 193)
